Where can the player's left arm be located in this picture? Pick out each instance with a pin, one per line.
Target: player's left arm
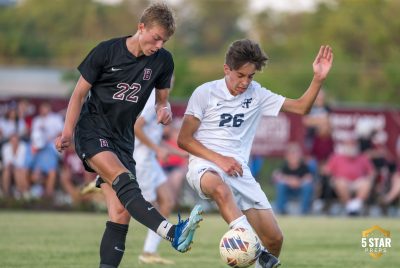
(321, 67)
(163, 108)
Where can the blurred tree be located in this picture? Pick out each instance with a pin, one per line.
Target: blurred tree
(364, 35)
(206, 26)
(61, 30)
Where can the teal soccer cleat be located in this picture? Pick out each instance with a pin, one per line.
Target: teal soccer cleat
(184, 230)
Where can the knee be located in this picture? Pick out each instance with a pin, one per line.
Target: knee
(222, 193)
(126, 187)
(273, 241)
(118, 214)
(277, 239)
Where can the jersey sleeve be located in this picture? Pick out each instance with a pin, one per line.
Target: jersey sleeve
(92, 66)
(164, 79)
(271, 103)
(197, 103)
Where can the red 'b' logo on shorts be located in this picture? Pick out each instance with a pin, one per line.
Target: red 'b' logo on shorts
(147, 74)
(103, 143)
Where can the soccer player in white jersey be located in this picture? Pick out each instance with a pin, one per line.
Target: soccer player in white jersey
(218, 130)
(150, 175)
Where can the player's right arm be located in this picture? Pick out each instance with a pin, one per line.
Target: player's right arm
(189, 143)
(74, 108)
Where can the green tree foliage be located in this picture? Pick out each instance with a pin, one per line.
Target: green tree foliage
(61, 31)
(365, 39)
(364, 35)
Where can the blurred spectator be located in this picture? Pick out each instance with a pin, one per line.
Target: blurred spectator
(321, 149)
(351, 173)
(318, 115)
(393, 191)
(73, 176)
(12, 124)
(175, 165)
(25, 112)
(13, 155)
(372, 139)
(294, 180)
(323, 144)
(50, 124)
(42, 158)
(256, 163)
(41, 163)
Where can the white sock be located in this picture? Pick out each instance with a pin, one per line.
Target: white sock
(163, 230)
(240, 222)
(151, 242)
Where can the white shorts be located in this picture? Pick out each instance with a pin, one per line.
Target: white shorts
(246, 190)
(150, 176)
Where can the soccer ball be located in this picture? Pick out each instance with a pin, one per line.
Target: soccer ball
(239, 247)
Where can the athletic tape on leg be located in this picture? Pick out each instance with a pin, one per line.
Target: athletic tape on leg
(126, 187)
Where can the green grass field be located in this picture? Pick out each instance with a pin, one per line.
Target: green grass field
(42, 239)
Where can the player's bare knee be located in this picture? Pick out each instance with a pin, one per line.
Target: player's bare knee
(120, 215)
(221, 193)
(274, 241)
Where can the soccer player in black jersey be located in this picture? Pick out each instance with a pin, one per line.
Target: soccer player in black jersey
(116, 80)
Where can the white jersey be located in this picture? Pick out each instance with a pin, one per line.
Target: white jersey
(149, 173)
(151, 128)
(228, 123)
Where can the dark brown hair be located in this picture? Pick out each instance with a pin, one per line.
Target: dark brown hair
(243, 51)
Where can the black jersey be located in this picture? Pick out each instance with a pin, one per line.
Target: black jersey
(121, 84)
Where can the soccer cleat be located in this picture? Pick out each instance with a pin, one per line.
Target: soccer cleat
(184, 230)
(153, 258)
(267, 260)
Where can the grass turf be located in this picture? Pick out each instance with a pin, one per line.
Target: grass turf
(42, 239)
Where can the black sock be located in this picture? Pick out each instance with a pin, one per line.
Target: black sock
(171, 234)
(112, 245)
(130, 195)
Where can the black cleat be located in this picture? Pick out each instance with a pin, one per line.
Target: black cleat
(267, 260)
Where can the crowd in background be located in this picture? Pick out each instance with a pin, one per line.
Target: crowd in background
(356, 176)
(32, 171)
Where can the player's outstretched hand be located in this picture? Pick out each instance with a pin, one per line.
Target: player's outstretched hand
(164, 115)
(230, 166)
(63, 142)
(323, 62)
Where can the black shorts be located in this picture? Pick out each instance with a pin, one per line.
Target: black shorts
(89, 143)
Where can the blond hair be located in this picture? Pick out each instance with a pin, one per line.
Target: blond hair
(161, 15)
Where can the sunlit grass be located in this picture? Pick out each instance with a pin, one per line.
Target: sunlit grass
(35, 239)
